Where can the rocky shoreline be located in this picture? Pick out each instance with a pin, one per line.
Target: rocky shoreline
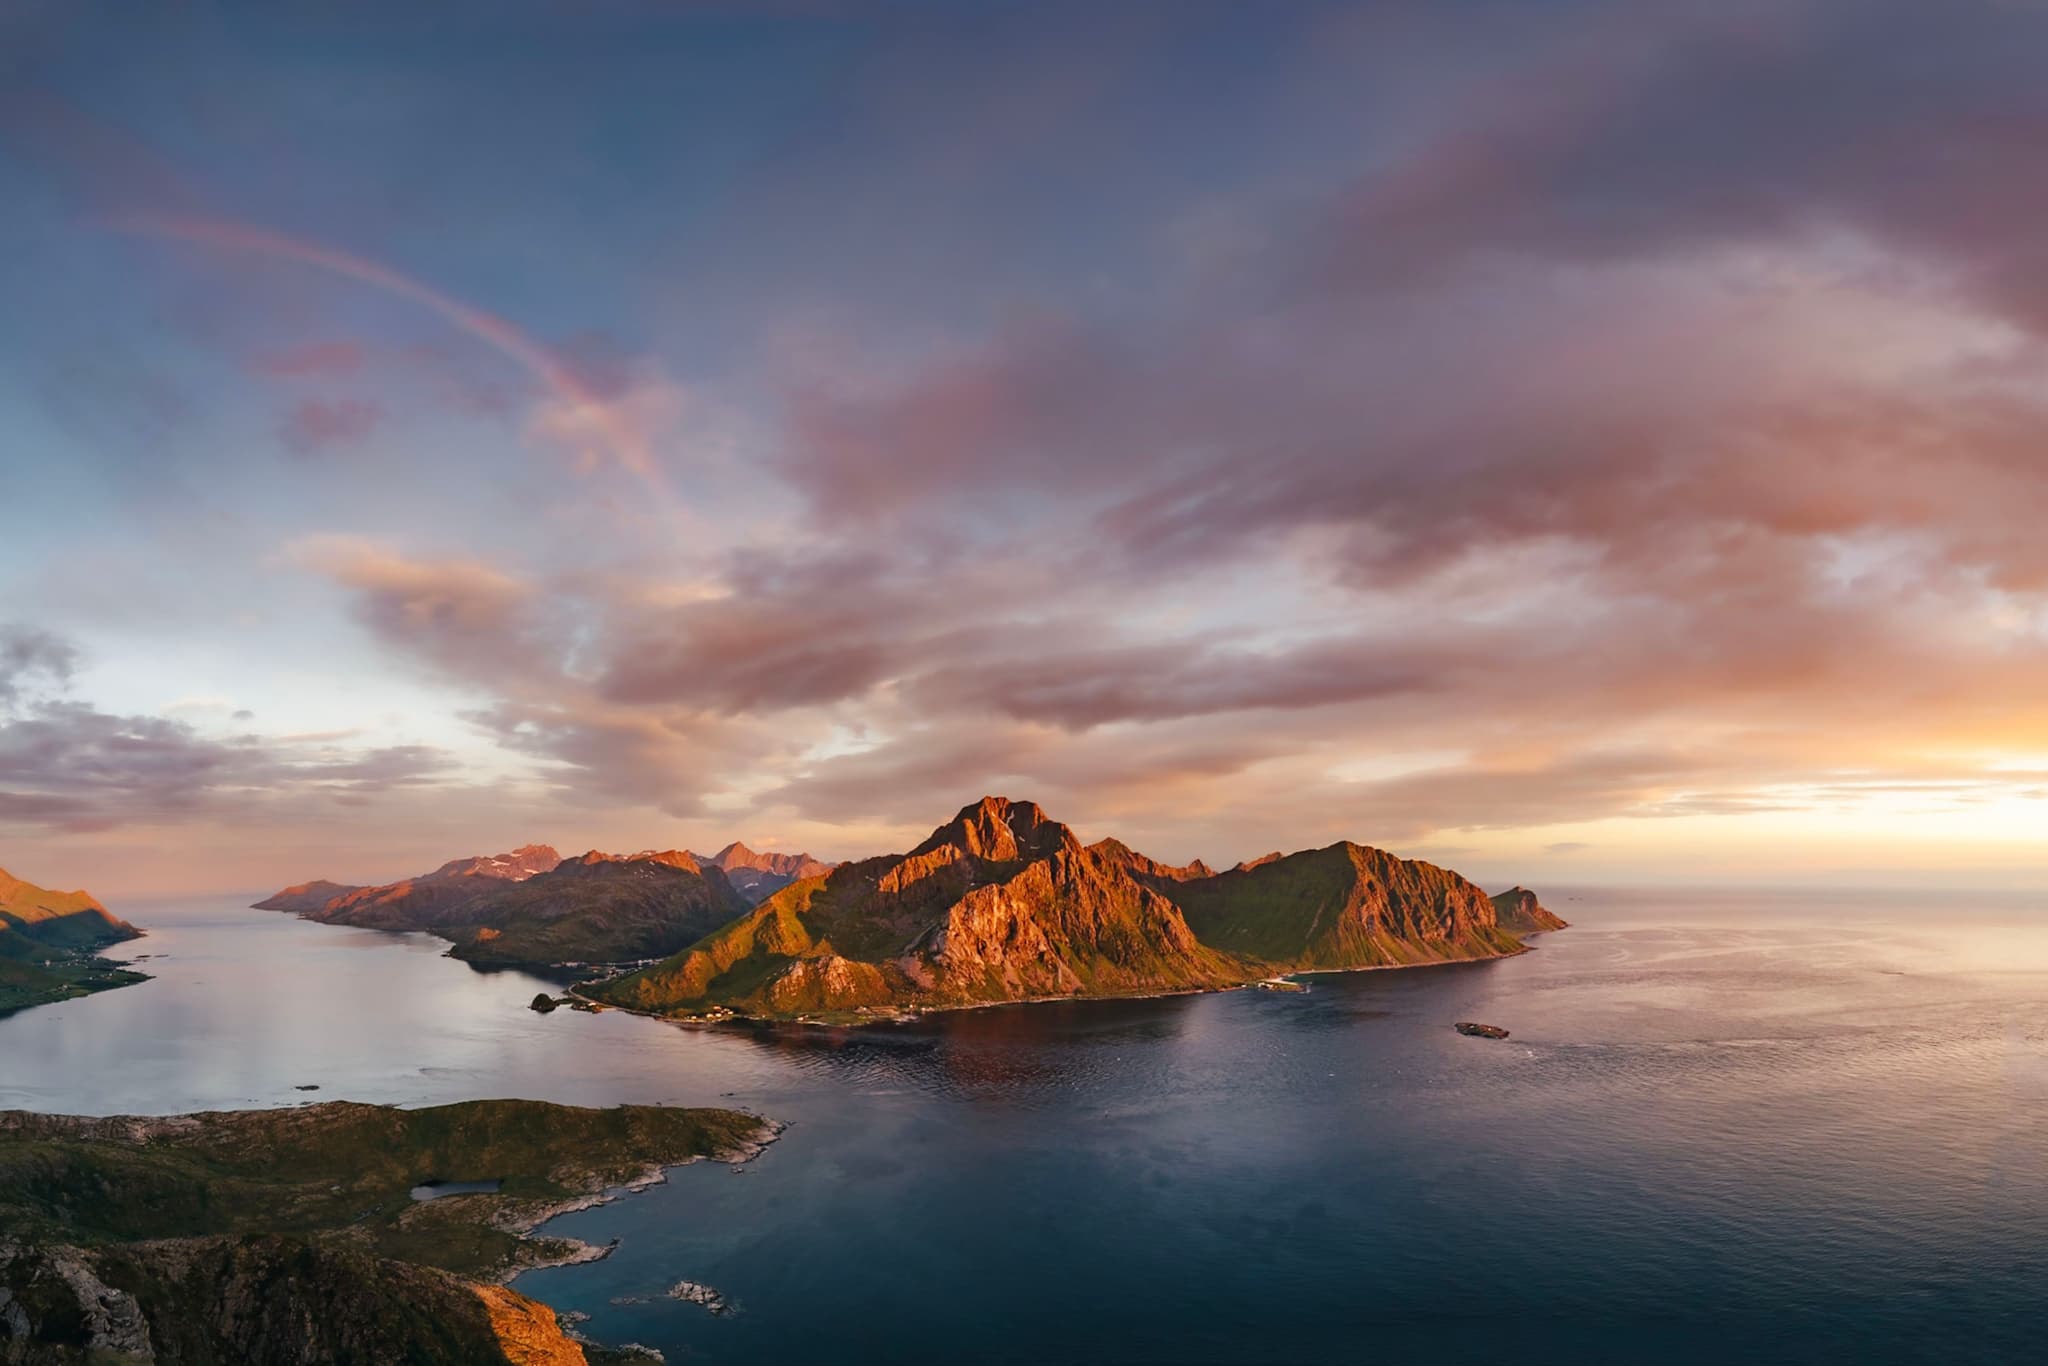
(867, 1017)
(528, 1223)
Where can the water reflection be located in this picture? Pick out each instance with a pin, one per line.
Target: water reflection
(1773, 1130)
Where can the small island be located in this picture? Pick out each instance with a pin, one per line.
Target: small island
(279, 1236)
(50, 945)
(1003, 903)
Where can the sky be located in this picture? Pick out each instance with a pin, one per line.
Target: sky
(1576, 443)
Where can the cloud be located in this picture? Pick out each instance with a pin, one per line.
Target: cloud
(311, 360)
(317, 425)
(66, 765)
(468, 619)
(28, 655)
(1627, 412)
(1567, 847)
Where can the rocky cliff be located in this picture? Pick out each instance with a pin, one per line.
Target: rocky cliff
(1520, 912)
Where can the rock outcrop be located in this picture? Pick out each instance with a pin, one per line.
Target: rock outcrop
(1519, 912)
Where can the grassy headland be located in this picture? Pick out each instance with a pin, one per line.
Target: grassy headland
(50, 943)
(175, 1218)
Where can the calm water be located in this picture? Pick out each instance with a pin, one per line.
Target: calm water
(1735, 1128)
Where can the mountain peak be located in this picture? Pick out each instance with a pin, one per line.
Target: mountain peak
(999, 830)
(674, 858)
(515, 866)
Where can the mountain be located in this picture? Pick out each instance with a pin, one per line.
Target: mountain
(434, 899)
(307, 897)
(531, 908)
(1002, 903)
(1519, 912)
(49, 945)
(759, 876)
(74, 920)
(600, 908)
(1346, 906)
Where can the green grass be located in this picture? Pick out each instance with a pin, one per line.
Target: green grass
(65, 976)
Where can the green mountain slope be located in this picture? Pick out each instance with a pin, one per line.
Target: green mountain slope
(1346, 906)
(600, 909)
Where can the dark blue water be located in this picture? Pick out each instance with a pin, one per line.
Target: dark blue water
(1735, 1129)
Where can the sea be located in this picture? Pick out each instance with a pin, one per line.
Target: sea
(1803, 1126)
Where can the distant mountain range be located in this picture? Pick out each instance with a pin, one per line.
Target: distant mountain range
(1002, 903)
(532, 908)
(760, 876)
(49, 945)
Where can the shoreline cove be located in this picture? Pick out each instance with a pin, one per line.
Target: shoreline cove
(531, 1226)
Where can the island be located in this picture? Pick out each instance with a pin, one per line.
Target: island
(1003, 903)
(50, 945)
(319, 1233)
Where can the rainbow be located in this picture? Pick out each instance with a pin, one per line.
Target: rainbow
(627, 444)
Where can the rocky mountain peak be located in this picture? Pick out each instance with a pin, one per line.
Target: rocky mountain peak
(673, 858)
(999, 830)
(516, 866)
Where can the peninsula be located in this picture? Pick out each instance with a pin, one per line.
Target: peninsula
(532, 908)
(50, 945)
(282, 1236)
(1002, 903)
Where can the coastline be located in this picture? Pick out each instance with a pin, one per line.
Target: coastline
(529, 1224)
(74, 974)
(911, 1014)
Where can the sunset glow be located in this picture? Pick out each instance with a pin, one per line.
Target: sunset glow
(697, 424)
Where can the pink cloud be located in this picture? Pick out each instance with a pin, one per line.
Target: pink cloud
(316, 425)
(311, 360)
